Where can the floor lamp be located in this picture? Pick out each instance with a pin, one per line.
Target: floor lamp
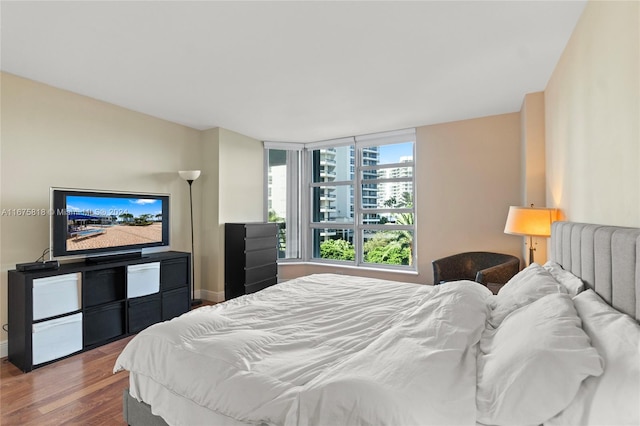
(530, 222)
(190, 176)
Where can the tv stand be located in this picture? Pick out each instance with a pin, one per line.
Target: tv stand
(99, 260)
(56, 313)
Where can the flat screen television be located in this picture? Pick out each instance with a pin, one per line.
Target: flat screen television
(85, 223)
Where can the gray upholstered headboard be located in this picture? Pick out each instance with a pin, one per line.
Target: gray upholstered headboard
(607, 258)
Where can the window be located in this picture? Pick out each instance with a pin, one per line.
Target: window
(360, 197)
(332, 215)
(282, 200)
(362, 200)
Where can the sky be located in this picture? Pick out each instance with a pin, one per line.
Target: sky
(107, 206)
(392, 153)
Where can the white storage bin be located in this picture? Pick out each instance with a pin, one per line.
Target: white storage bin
(56, 338)
(143, 279)
(56, 295)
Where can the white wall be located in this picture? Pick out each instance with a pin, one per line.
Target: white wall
(210, 229)
(240, 186)
(593, 118)
(469, 176)
(533, 175)
(50, 137)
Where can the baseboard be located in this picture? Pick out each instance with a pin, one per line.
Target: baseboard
(212, 296)
(4, 349)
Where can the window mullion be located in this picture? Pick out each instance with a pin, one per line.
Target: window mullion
(357, 208)
(388, 180)
(306, 204)
(388, 166)
(293, 194)
(332, 183)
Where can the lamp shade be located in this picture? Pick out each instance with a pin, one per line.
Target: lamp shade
(189, 174)
(531, 221)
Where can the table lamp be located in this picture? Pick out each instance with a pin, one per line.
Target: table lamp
(530, 222)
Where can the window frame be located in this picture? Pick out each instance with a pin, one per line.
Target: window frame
(293, 219)
(305, 213)
(358, 226)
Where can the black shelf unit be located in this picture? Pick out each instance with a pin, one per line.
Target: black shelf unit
(107, 313)
(251, 257)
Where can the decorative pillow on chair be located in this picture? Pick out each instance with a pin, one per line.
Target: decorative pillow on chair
(573, 284)
(526, 287)
(530, 368)
(614, 397)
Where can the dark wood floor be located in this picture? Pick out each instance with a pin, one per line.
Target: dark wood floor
(79, 390)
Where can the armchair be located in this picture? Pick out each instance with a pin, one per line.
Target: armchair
(480, 266)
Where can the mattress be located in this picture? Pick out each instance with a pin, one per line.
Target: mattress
(322, 349)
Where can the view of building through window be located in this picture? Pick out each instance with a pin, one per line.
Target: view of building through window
(360, 199)
(365, 195)
(282, 199)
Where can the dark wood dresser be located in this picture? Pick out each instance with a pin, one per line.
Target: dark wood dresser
(251, 256)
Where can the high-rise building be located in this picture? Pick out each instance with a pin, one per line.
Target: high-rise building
(370, 157)
(332, 202)
(395, 189)
(277, 190)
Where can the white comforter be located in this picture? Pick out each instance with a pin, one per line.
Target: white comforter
(324, 350)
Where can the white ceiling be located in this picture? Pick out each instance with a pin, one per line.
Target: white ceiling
(293, 71)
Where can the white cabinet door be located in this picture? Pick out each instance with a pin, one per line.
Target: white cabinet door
(143, 279)
(56, 295)
(56, 338)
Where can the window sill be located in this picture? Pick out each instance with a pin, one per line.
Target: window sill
(349, 267)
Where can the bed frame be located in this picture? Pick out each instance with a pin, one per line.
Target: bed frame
(607, 258)
(138, 413)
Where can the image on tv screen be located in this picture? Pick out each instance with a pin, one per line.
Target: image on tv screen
(102, 222)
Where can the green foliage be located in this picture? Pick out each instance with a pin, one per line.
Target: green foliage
(385, 247)
(392, 254)
(273, 217)
(337, 249)
(282, 232)
(406, 201)
(389, 248)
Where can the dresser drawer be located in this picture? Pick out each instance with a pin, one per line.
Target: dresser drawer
(261, 257)
(261, 230)
(260, 243)
(260, 273)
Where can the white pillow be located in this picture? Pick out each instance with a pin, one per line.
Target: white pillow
(573, 284)
(525, 287)
(530, 368)
(614, 397)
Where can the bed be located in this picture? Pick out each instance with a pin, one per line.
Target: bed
(331, 349)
